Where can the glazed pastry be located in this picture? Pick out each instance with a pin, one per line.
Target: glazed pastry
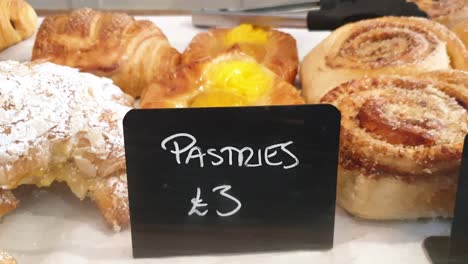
(57, 124)
(8, 202)
(130, 52)
(18, 21)
(401, 144)
(389, 45)
(231, 79)
(274, 49)
(6, 258)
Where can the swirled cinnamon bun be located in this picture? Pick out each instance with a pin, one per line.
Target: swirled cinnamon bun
(401, 144)
(274, 49)
(438, 8)
(451, 13)
(389, 45)
(230, 79)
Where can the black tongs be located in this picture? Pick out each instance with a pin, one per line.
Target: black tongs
(314, 15)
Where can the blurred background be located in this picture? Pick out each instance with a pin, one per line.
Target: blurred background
(155, 4)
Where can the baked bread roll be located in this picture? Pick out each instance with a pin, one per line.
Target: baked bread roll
(231, 79)
(401, 144)
(57, 124)
(18, 21)
(274, 49)
(6, 258)
(130, 52)
(388, 45)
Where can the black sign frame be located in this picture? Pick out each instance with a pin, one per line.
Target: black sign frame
(454, 249)
(283, 209)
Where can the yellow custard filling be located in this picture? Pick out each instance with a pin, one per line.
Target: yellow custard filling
(246, 33)
(233, 83)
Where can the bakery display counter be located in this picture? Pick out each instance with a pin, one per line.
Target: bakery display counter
(53, 226)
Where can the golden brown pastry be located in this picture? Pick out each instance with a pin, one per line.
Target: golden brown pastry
(401, 144)
(438, 8)
(18, 21)
(6, 258)
(57, 124)
(130, 52)
(274, 49)
(451, 13)
(389, 45)
(231, 79)
(8, 202)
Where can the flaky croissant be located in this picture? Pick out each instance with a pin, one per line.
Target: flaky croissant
(231, 79)
(274, 49)
(130, 52)
(18, 21)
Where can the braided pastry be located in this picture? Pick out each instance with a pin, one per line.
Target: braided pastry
(57, 124)
(231, 79)
(130, 52)
(274, 49)
(401, 144)
(389, 45)
(18, 21)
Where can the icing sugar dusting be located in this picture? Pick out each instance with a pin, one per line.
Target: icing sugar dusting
(45, 103)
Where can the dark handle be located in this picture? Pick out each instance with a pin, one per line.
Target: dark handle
(334, 14)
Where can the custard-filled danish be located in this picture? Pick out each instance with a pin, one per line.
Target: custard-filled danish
(231, 79)
(382, 46)
(401, 144)
(274, 49)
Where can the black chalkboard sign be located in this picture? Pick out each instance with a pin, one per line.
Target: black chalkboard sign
(228, 180)
(454, 249)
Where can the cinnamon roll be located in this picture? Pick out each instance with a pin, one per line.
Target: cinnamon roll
(439, 8)
(389, 45)
(401, 144)
(274, 49)
(451, 13)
